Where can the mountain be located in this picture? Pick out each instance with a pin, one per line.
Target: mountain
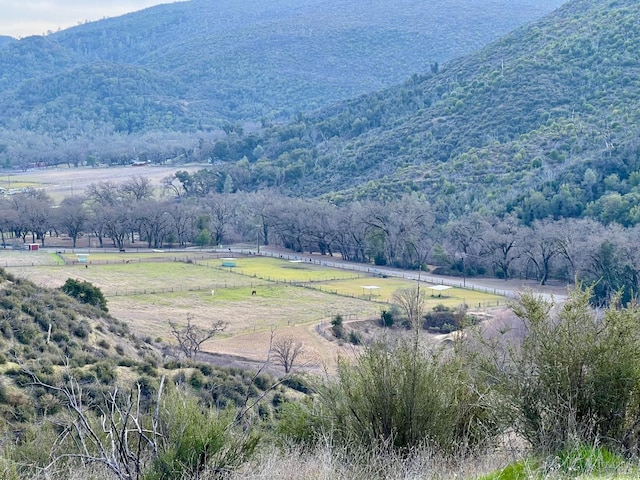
(196, 65)
(5, 40)
(548, 112)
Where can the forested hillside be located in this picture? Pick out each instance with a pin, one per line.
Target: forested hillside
(542, 122)
(195, 65)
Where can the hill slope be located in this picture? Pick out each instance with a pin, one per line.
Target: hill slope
(194, 65)
(532, 111)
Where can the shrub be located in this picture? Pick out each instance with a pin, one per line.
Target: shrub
(196, 380)
(25, 333)
(298, 383)
(104, 372)
(386, 318)
(337, 327)
(194, 440)
(82, 329)
(264, 381)
(149, 369)
(401, 396)
(298, 423)
(85, 292)
(355, 338)
(574, 378)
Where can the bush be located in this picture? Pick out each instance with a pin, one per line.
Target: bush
(355, 338)
(104, 372)
(196, 380)
(194, 440)
(85, 292)
(400, 396)
(386, 318)
(298, 423)
(298, 383)
(337, 327)
(82, 329)
(574, 379)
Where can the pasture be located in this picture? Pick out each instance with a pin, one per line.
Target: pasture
(22, 258)
(277, 270)
(147, 290)
(361, 288)
(60, 182)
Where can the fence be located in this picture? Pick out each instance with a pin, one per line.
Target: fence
(383, 272)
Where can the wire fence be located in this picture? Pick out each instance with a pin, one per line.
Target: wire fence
(382, 272)
(196, 289)
(202, 258)
(269, 278)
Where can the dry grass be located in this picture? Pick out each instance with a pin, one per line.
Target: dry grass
(272, 307)
(23, 258)
(149, 290)
(135, 277)
(61, 182)
(328, 462)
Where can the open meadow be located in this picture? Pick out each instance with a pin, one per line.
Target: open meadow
(60, 182)
(255, 295)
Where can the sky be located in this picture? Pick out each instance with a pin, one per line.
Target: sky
(21, 18)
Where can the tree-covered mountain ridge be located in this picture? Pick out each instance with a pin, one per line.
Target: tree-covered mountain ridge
(194, 65)
(552, 108)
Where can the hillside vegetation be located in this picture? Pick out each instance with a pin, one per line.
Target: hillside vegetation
(195, 65)
(543, 122)
(402, 406)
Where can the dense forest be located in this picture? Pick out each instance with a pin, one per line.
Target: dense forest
(171, 79)
(541, 123)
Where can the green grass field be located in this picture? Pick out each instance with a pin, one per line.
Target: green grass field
(141, 277)
(388, 286)
(149, 290)
(277, 270)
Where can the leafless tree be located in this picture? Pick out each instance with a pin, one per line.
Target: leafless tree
(541, 243)
(121, 440)
(190, 337)
(502, 243)
(411, 301)
(221, 209)
(72, 217)
(137, 189)
(287, 351)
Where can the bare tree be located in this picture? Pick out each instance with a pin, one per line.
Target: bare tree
(190, 337)
(119, 439)
(72, 217)
(221, 209)
(286, 351)
(411, 301)
(137, 189)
